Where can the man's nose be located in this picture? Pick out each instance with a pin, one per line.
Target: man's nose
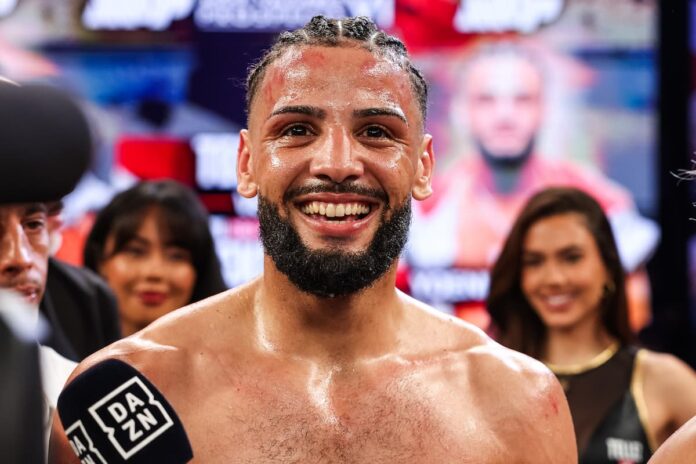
(506, 108)
(15, 256)
(335, 159)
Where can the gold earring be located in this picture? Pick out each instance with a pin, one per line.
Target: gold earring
(609, 287)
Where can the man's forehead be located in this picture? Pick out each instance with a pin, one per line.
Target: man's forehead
(352, 71)
(507, 75)
(22, 209)
(312, 58)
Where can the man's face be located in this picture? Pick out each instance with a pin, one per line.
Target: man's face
(24, 247)
(335, 146)
(503, 98)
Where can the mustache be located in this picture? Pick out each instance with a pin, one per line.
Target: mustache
(14, 283)
(336, 187)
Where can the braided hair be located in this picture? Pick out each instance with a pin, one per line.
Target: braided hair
(326, 32)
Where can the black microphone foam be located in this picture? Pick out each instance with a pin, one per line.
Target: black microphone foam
(112, 414)
(45, 143)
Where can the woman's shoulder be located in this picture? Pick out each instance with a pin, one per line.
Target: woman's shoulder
(664, 369)
(669, 386)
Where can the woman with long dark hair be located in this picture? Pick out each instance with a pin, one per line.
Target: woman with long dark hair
(152, 245)
(558, 294)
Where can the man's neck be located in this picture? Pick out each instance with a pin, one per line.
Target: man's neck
(357, 327)
(506, 170)
(506, 180)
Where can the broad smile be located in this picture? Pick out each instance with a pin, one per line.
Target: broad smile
(557, 301)
(337, 211)
(337, 215)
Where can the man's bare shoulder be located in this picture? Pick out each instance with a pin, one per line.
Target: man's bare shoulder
(440, 329)
(527, 401)
(680, 447)
(499, 372)
(489, 364)
(172, 343)
(517, 396)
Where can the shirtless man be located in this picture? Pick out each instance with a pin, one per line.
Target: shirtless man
(321, 359)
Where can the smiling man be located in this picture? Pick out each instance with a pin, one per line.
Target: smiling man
(321, 359)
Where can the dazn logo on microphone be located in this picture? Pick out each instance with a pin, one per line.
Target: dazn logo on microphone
(131, 416)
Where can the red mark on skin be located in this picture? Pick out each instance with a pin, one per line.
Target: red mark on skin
(275, 80)
(368, 65)
(554, 406)
(312, 57)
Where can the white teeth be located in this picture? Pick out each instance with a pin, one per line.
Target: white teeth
(335, 209)
(556, 300)
(330, 210)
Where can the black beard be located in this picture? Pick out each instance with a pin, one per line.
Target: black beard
(498, 161)
(333, 272)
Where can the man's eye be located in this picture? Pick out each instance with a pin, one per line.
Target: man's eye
(296, 131)
(375, 132)
(35, 224)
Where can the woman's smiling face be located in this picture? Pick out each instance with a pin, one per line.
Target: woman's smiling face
(149, 275)
(563, 275)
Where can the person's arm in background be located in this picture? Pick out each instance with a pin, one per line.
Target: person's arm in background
(669, 389)
(679, 448)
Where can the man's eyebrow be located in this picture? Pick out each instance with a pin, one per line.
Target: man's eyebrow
(32, 208)
(367, 112)
(300, 109)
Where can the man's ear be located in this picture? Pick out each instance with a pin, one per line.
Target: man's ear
(246, 182)
(422, 187)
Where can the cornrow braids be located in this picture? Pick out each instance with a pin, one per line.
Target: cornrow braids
(329, 32)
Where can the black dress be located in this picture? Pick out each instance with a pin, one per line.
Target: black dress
(607, 406)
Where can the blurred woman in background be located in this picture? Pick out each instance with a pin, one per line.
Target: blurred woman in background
(557, 294)
(152, 245)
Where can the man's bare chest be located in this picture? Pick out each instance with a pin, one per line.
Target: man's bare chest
(269, 423)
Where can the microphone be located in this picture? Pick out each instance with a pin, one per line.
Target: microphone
(112, 414)
(45, 140)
